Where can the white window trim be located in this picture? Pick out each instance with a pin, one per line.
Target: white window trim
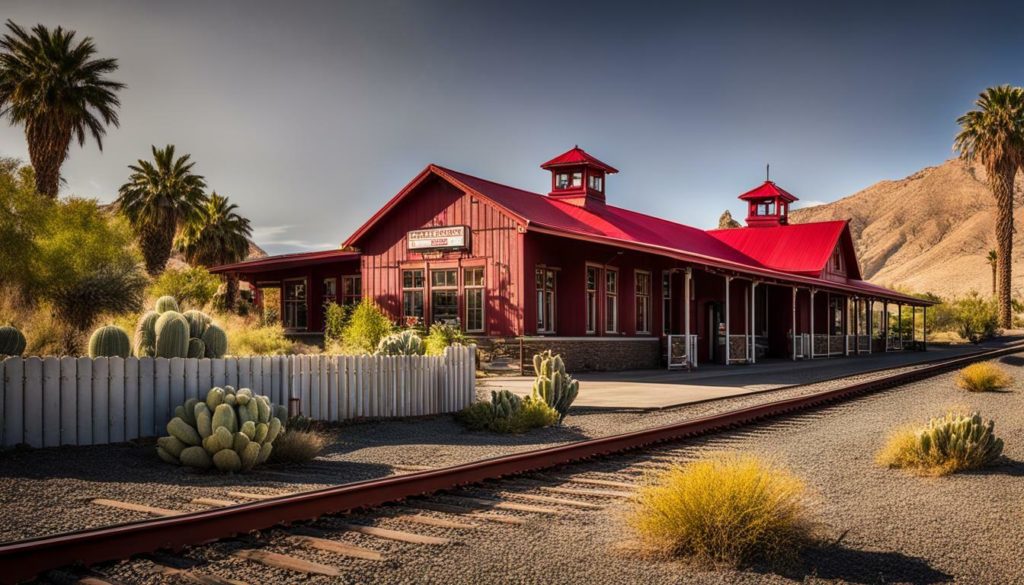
(636, 299)
(549, 328)
(598, 284)
(615, 297)
(482, 287)
(284, 302)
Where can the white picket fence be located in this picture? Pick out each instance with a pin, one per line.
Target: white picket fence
(51, 401)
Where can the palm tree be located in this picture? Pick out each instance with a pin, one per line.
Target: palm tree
(57, 90)
(218, 236)
(159, 198)
(994, 134)
(992, 257)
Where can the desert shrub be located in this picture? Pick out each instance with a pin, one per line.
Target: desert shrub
(298, 446)
(552, 385)
(366, 327)
(975, 318)
(193, 287)
(983, 377)
(401, 343)
(335, 319)
(947, 444)
(23, 217)
(257, 340)
(734, 509)
(507, 413)
(441, 336)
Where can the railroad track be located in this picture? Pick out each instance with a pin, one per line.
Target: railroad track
(458, 498)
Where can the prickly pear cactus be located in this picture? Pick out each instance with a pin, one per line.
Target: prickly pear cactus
(230, 430)
(552, 385)
(402, 343)
(12, 342)
(109, 341)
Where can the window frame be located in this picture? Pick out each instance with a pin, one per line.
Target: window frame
(447, 287)
(474, 289)
(645, 305)
(611, 300)
(354, 298)
(591, 305)
(285, 303)
(412, 291)
(546, 321)
(666, 302)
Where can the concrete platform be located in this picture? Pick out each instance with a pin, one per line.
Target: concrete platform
(655, 389)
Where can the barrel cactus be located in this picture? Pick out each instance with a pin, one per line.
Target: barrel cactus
(12, 342)
(552, 384)
(402, 343)
(166, 303)
(230, 430)
(110, 341)
(167, 333)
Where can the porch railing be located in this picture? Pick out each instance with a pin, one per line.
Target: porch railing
(682, 351)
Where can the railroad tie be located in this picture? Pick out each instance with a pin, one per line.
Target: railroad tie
(553, 500)
(213, 502)
(433, 521)
(334, 546)
(589, 492)
(398, 535)
(499, 505)
(463, 511)
(600, 482)
(401, 467)
(194, 577)
(137, 507)
(288, 563)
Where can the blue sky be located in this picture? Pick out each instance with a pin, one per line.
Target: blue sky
(311, 115)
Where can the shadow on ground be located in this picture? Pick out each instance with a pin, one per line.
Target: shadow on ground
(850, 565)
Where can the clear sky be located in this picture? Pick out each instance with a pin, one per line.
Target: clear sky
(311, 115)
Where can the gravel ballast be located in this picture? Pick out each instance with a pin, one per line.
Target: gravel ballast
(47, 491)
(876, 525)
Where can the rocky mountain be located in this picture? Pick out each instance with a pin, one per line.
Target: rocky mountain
(929, 232)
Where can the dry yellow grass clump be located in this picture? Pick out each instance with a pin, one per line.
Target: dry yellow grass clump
(983, 377)
(947, 444)
(733, 509)
(298, 446)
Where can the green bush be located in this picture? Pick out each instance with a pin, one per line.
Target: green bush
(336, 317)
(366, 327)
(975, 318)
(507, 413)
(441, 336)
(192, 287)
(266, 340)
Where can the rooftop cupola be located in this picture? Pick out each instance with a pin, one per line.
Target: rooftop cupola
(578, 178)
(767, 205)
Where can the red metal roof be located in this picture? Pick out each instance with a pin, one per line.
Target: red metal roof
(768, 189)
(287, 261)
(804, 248)
(577, 156)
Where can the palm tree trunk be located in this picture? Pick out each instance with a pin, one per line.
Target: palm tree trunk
(47, 149)
(231, 292)
(993, 280)
(1002, 189)
(156, 245)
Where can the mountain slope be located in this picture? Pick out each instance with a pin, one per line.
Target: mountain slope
(929, 232)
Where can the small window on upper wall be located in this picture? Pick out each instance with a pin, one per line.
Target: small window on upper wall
(562, 181)
(595, 183)
(837, 259)
(577, 179)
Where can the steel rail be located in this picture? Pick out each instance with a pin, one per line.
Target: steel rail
(24, 559)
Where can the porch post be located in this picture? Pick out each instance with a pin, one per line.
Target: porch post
(924, 328)
(913, 325)
(753, 321)
(899, 321)
(871, 324)
(828, 324)
(885, 323)
(727, 324)
(794, 324)
(812, 322)
(686, 313)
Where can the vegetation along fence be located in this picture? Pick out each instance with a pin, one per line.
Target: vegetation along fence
(53, 401)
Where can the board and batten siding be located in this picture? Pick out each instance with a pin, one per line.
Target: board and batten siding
(495, 244)
(51, 401)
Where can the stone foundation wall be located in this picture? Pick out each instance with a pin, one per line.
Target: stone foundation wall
(581, 354)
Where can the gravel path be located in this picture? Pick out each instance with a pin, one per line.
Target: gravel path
(47, 491)
(891, 526)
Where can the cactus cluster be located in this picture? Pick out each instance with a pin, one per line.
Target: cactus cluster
(232, 431)
(552, 384)
(402, 343)
(964, 439)
(165, 332)
(110, 341)
(12, 342)
(505, 404)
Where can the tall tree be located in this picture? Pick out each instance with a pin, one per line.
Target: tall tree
(57, 89)
(994, 134)
(159, 198)
(992, 262)
(218, 236)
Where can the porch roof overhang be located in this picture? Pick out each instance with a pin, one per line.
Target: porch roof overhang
(287, 261)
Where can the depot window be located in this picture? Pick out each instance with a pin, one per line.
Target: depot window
(412, 294)
(666, 302)
(351, 290)
(595, 182)
(611, 301)
(473, 293)
(546, 297)
(593, 278)
(295, 309)
(643, 302)
(444, 296)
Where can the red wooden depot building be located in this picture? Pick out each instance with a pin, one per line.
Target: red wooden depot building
(604, 285)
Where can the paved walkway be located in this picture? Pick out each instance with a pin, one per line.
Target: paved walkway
(653, 389)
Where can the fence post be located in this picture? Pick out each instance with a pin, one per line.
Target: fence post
(33, 398)
(51, 402)
(14, 368)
